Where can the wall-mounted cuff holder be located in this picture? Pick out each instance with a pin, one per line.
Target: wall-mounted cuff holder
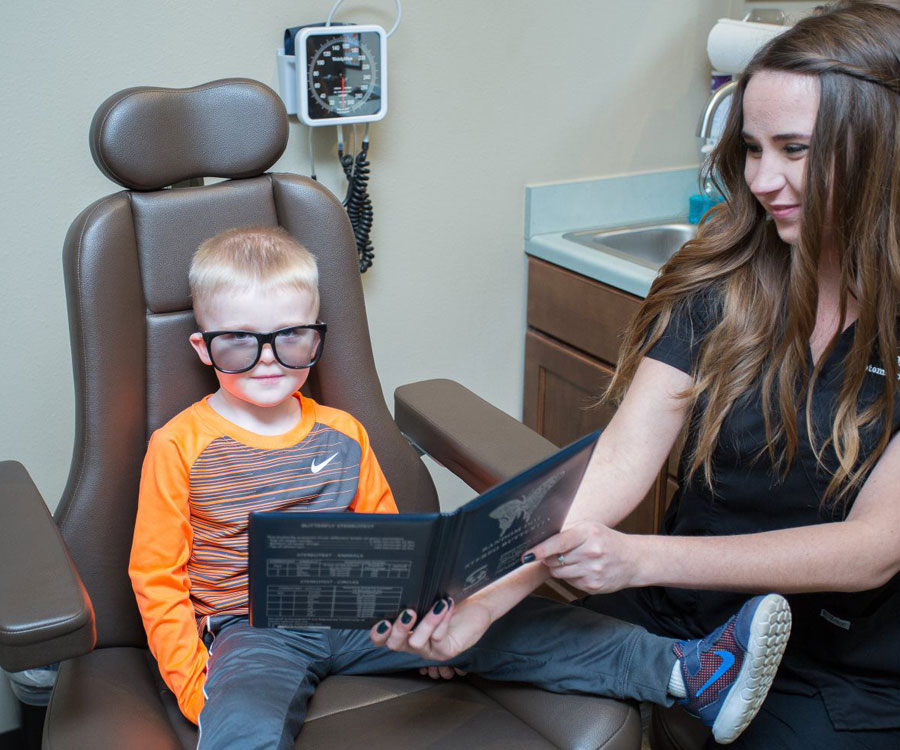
(287, 80)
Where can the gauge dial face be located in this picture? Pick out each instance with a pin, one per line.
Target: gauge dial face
(343, 75)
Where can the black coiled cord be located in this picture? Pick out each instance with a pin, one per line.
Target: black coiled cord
(358, 203)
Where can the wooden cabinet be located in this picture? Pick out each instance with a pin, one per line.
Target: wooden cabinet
(572, 343)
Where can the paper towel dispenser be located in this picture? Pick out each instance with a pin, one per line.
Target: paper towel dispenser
(731, 44)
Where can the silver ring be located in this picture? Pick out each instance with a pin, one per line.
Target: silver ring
(561, 559)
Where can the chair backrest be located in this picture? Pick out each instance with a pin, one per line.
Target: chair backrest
(126, 260)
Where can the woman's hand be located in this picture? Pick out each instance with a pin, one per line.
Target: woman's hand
(445, 632)
(592, 557)
(441, 672)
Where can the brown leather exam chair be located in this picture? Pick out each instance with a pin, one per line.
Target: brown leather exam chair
(64, 589)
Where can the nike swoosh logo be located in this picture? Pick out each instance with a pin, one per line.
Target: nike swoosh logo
(727, 661)
(316, 468)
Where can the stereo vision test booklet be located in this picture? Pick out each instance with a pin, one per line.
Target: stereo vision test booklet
(350, 570)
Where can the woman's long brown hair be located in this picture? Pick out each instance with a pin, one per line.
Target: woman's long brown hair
(766, 291)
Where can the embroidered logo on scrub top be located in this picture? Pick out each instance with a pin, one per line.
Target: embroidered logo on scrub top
(880, 370)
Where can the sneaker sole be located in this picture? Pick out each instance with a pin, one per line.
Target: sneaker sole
(769, 633)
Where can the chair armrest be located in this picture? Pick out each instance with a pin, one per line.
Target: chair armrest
(560, 591)
(475, 440)
(45, 612)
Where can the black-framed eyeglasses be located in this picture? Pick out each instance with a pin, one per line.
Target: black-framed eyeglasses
(296, 348)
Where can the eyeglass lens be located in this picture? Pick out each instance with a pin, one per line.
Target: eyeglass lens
(294, 347)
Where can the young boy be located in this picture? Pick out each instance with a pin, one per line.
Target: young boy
(257, 444)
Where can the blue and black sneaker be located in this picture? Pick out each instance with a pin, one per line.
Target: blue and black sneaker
(727, 675)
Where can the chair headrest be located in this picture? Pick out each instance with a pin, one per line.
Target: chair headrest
(145, 138)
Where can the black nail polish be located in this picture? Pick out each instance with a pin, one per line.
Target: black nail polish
(406, 617)
(528, 558)
(439, 607)
(382, 627)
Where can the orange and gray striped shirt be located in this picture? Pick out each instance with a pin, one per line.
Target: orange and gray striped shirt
(202, 477)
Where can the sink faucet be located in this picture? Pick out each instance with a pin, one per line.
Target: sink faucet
(704, 131)
(704, 127)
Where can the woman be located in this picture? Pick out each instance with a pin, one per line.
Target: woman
(772, 340)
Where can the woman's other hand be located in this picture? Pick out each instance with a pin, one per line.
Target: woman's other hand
(445, 632)
(592, 557)
(441, 672)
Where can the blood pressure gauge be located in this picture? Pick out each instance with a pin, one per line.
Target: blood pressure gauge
(341, 74)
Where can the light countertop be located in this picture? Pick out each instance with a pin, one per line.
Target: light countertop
(553, 210)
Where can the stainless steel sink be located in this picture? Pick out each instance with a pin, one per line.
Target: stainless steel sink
(649, 245)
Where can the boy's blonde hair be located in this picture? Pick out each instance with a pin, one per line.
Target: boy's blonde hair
(266, 257)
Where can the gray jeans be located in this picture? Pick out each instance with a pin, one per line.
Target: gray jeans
(259, 681)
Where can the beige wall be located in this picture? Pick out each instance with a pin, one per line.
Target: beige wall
(485, 97)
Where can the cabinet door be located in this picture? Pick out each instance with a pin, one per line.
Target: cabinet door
(562, 387)
(578, 311)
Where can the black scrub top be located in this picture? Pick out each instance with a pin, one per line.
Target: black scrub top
(844, 646)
